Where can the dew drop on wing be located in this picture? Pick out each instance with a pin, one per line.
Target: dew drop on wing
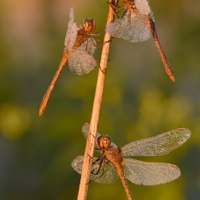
(108, 175)
(91, 46)
(85, 129)
(81, 62)
(77, 164)
(157, 145)
(132, 29)
(143, 7)
(71, 31)
(149, 173)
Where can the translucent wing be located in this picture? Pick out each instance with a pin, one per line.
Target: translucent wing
(89, 46)
(85, 129)
(133, 29)
(71, 31)
(157, 145)
(107, 174)
(149, 173)
(81, 62)
(142, 7)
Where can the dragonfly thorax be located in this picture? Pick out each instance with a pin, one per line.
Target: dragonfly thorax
(113, 155)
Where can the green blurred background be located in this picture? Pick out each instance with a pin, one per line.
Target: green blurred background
(139, 100)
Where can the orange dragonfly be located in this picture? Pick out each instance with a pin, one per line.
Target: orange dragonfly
(80, 45)
(137, 25)
(113, 164)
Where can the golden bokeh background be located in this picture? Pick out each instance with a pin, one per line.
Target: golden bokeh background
(139, 100)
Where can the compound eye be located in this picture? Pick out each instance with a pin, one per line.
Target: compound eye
(89, 25)
(104, 142)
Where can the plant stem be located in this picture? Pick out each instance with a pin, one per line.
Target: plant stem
(90, 142)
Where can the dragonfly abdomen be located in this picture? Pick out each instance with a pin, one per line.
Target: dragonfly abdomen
(120, 172)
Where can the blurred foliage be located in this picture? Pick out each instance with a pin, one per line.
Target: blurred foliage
(139, 99)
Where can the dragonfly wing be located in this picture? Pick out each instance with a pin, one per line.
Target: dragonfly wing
(107, 174)
(81, 62)
(157, 145)
(71, 31)
(85, 129)
(133, 29)
(91, 45)
(142, 7)
(149, 173)
(139, 28)
(77, 164)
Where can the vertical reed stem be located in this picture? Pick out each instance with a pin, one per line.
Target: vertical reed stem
(90, 142)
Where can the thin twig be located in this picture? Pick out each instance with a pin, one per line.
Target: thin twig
(90, 142)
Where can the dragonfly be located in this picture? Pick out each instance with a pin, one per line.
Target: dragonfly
(137, 24)
(113, 162)
(80, 45)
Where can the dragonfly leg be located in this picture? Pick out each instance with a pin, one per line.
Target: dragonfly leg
(86, 45)
(98, 33)
(121, 9)
(101, 166)
(99, 40)
(98, 161)
(114, 7)
(103, 71)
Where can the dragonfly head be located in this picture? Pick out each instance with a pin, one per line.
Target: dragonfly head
(89, 25)
(104, 142)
